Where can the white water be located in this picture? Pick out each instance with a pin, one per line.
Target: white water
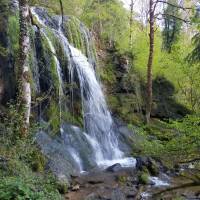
(158, 182)
(98, 122)
(76, 158)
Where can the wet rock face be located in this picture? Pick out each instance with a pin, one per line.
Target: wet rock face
(59, 160)
(124, 135)
(74, 138)
(50, 22)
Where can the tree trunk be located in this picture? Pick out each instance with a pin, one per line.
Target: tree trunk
(150, 62)
(24, 70)
(62, 12)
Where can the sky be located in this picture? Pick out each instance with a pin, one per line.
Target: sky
(140, 6)
(137, 4)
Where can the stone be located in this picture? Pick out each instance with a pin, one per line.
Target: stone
(76, 187)
(114, 168)
(58, 159)
(117, 194)
(143, 163)
(93, 196)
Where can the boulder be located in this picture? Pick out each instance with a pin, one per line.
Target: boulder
(59, 162)
(114, 168)
(143, 163)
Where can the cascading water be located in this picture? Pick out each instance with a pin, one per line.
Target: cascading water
(97, 118)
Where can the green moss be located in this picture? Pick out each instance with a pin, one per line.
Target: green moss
(122, 179)
(72, 30)
(3, 51)
(52, 63)
(69, 117)
(53, 114)
(13, 32)
(32, 64)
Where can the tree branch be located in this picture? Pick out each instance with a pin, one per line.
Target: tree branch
(173, 16)
(176, 6)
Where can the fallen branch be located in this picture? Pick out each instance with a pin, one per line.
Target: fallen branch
(177, 187)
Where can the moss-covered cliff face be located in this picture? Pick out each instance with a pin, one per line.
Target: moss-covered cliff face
(7, 50)
(45, 80)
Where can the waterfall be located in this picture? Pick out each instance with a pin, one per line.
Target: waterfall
(97, 118)
(98, 123)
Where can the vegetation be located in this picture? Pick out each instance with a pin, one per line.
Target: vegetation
(21, 163)
(150, 69)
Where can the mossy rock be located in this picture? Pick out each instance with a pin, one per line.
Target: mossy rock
(153, 168)
(122, 179)
(38, 161)
(143, 178)
(148, 165)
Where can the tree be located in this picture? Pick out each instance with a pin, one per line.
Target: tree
(172, 25)
(24, 70)
(194, 56)
(150, 60)
(152, 17)
(62, 12)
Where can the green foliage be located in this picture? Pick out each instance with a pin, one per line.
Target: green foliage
(70, 7)
(194, 56)
(143, 177)
(22, 164)
(19, 188)
(108, 19)
(181, 141)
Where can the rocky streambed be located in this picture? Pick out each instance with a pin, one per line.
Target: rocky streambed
(117, 183)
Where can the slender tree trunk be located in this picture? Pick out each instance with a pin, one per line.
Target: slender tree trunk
(150, 62)
(24, 85)
(131, 26)
(100, 22)
(62, 12)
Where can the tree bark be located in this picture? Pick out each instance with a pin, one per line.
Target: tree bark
(62, 12)
(150, 62)
(24, 69)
